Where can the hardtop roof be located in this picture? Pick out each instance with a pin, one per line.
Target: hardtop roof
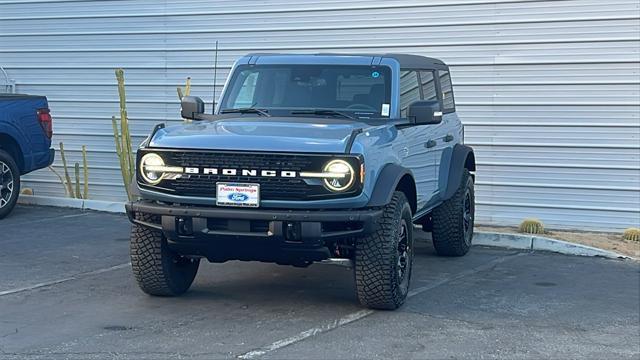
(408, 61)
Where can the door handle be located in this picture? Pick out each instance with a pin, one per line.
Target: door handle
(430, 144)
(448, 138)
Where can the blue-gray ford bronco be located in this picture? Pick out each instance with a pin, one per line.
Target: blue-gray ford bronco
(308, 158)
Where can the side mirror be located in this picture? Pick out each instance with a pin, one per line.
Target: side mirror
(192, 106)
(425, 112)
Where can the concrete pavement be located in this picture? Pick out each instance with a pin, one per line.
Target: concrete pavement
(66, 291)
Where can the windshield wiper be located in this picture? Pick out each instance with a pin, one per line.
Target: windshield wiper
(248, 110)
(323, 112)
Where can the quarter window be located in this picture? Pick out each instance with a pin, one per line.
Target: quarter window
(409, 90)
(447, 90)
(428, 85)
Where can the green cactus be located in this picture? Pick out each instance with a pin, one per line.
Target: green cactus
(122, 137)
(77, 172)
(631, 234)
(531, 226)
(187, 92)
(85, 174)
(67, 178)
(187, 89)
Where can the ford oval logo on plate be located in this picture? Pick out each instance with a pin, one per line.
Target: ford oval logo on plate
(238, 197)
(236, 194)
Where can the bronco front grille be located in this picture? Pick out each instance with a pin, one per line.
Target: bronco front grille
(271, 188)
(262, 161)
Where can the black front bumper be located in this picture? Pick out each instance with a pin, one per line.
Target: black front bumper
(282, 236)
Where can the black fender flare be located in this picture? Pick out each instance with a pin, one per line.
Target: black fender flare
(386, 184)
(454, 161)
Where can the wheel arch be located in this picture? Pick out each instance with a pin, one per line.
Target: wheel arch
(454, 162)
(393, 178)
(10, 145)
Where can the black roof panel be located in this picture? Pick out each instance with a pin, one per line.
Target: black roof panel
(405, 60)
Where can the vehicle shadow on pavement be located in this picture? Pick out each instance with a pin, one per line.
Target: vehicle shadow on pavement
(319, 283)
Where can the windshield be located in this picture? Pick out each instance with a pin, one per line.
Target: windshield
(318, 90)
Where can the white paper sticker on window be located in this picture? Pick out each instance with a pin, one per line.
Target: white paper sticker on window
(385, 110)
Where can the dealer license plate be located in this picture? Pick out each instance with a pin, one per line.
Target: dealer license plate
(235, 194)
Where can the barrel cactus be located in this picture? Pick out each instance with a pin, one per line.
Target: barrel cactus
(631, 234)
(531, 226)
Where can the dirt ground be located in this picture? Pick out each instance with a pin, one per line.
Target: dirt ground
(602, 240)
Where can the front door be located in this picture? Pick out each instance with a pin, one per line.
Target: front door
(417, 153)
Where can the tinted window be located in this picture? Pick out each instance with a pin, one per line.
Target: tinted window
(447, 90)
(428, 85)
(362, 91)
(409, 90)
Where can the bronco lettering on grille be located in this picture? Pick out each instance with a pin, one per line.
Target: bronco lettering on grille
(241, 172)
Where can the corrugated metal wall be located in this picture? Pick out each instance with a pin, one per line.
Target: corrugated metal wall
(548, 90)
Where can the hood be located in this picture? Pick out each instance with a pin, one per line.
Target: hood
(249, 133)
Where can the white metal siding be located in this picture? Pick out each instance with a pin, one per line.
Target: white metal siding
(548, 90)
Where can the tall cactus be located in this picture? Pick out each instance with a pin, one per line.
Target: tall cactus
(85, 174)
(122, 137)
(187, 89)
(67, 178)
(77, 172)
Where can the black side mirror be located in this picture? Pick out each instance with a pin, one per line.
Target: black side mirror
(192, 106)
(425, 112)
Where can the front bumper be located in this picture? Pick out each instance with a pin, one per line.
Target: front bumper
(282, 236)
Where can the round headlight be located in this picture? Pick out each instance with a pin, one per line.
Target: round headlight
(149, 165)
(344, 175)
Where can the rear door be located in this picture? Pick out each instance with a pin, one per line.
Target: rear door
(437, 132)
(446, 132)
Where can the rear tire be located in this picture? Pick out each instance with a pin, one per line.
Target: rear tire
(9, 183)
(158, 270)
(384, 259)
(453, 220)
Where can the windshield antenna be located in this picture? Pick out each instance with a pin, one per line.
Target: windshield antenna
(215, 73)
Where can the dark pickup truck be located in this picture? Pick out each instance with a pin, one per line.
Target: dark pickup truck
(25, 143)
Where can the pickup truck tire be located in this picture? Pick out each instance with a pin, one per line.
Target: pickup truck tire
(453, 220)
(9, 183)
(157, 270)
(384, 259)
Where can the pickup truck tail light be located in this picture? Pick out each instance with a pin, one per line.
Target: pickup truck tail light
(44, 117)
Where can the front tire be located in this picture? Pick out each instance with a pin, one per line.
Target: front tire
(9, 183)
(453, 220)
(158, 270)
(384, 259)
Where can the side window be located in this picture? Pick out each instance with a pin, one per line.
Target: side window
(409, 90)
(428, 85)
(248, 89)
(447, 90)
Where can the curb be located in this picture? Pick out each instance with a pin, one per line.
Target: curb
(532, 242)
(98, 205)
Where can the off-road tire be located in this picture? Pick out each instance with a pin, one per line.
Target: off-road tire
(451, 237)
(157, 270)
(380, 282)
(10, 183)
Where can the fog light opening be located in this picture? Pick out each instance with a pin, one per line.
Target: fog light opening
(292, 232)
(184, 226)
